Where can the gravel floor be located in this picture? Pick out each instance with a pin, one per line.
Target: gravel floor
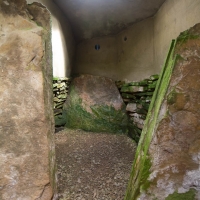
(93, 166)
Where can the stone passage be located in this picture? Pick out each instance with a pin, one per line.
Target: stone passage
(137, 96)
(26, 110)
(167, 163)
(95, 104)
(93, 166)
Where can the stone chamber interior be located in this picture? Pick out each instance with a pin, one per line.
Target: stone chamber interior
(77, 78)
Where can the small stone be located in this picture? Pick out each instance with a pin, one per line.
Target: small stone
(56, 99)
(62, 96)
(131, 107)
(133, 89)
(61, 85)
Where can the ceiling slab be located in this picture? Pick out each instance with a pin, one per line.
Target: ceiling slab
(95, 18)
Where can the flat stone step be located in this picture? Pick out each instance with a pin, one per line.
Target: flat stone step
(93, 166)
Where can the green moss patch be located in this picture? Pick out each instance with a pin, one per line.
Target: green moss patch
(171, 98)
(190, 195)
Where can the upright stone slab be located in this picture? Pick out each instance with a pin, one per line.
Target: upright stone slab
(167, 161)
(95, 104)
(26, 114)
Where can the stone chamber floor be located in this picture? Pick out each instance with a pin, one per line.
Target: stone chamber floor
(93, 166)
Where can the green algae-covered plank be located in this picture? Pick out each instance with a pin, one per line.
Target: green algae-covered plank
(140, 171)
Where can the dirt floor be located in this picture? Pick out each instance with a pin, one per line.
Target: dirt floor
(93, 166)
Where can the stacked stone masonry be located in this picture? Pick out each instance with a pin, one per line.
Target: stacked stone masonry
(137, 97)
(60, 92)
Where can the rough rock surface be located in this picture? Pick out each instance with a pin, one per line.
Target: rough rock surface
(167, 161)
(26, 125)
(93, 166)
(95, 104)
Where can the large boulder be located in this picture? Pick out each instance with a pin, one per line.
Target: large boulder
(94, 104)
(167, 161)
(27, 163)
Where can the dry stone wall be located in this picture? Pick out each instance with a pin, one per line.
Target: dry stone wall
(60, 93)
(137, 96)
(27, 155)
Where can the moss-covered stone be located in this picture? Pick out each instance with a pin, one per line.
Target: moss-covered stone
(85, 110)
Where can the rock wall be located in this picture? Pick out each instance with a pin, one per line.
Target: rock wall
(60, 93)
(166, 165)
(137, 97)
(27, 163)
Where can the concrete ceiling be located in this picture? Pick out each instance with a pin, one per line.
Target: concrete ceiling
(94, 18)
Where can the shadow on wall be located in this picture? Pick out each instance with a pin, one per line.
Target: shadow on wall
(62, 40)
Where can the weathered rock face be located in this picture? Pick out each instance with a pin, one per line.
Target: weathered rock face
(95, 104)
(26, 110)
(167, 159)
